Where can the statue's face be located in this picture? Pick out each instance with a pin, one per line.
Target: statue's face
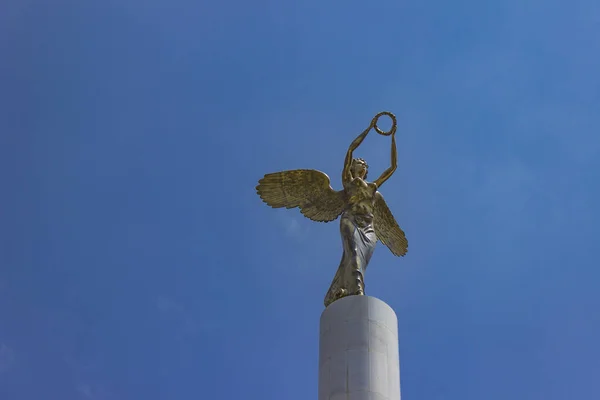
(359, 169)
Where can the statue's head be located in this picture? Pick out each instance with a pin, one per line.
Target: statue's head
(359, 168)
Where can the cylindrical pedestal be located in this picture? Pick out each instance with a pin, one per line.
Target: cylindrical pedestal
(358, 351)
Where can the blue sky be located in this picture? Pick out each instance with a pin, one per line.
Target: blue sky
(137, 262)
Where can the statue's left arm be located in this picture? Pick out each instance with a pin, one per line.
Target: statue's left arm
(389, 172)
(346, 174)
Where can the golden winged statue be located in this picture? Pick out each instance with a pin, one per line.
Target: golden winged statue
(365, 217)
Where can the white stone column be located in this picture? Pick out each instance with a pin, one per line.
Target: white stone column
(358, 351)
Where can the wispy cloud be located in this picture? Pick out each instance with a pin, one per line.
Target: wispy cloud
(88, 391)
(85, 391)
(188, 326)
(293, 226)
(7, 357)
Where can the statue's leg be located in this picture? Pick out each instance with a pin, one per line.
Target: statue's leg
(365, 240)
(356, 278)
(354, 266)
(343, 283)
(359, 280)
(336, 289)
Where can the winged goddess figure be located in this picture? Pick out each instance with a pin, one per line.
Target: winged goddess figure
(365, 217)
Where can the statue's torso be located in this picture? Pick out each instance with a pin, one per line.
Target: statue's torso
(361, 197)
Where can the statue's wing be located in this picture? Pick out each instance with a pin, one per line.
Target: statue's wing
(307, 189)
(387, 229)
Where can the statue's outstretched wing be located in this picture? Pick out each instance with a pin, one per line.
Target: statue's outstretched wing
(307, 189)
(387, 229)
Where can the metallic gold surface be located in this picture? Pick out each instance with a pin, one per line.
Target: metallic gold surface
(365, 216)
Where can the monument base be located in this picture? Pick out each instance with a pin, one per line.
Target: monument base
(358, 351)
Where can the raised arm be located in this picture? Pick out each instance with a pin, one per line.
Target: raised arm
(346, 173)
(388, 172)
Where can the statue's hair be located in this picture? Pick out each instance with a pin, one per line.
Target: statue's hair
(364, 162)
